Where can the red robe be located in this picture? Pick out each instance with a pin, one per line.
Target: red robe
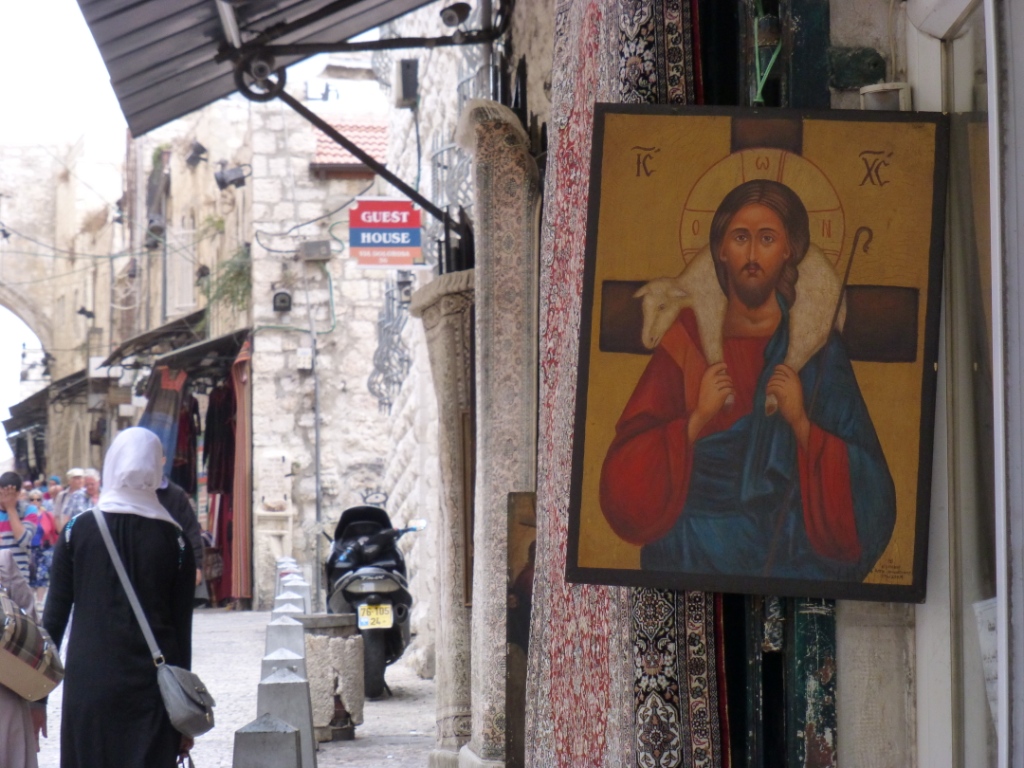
(646, 473)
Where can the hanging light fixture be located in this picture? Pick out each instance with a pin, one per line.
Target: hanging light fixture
(231, 177)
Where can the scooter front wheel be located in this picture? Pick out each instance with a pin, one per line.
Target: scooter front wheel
(374, 662)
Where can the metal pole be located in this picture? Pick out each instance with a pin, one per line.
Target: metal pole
(316, 442)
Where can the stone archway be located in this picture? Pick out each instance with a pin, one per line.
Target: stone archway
(33, 313)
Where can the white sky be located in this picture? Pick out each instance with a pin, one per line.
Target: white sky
(55, 92)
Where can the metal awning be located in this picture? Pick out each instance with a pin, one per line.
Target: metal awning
(172, 335)
(162, 55)
(205, 357)
(30, 412)
(70, 386)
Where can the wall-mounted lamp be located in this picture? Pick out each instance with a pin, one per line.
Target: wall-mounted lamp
(282, 301)
(232, 177)
(455, 14)
(156, 226)
(196, 155)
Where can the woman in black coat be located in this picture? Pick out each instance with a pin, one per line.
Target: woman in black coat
(112, 715)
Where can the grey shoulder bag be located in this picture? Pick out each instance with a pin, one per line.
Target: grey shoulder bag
(189, 704)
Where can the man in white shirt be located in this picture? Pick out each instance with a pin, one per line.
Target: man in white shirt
(76, 478)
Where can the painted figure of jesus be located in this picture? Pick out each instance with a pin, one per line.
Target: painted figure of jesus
(706, 477)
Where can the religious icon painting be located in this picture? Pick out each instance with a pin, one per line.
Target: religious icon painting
(758, 351)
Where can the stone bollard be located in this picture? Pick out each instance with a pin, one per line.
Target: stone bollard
(300, 586)
(290, 598)
(334, 659)
(285, 695)
(286, 566)
(286, 632)
(287, 609)
(267, 742)
(282, 658)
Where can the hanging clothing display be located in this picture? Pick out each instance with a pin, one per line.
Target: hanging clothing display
(222, 525)
(219, 439)
(183, 470)
(164, 394)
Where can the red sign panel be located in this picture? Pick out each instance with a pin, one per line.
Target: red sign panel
(385, 233)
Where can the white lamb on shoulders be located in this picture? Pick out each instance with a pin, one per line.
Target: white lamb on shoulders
(663, 298)
(819, 289)
(695, 287)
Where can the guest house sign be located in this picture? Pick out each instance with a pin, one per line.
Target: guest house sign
(385, 233)
(758, 348)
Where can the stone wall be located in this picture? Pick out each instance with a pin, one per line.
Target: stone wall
(342, 302)
(55, 259)
(411, 474)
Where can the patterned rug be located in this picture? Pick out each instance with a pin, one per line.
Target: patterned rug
(676, 692)
(579, 685)
(617, 678)
(659, 61)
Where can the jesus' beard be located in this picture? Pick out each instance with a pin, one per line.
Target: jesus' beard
(753, 295)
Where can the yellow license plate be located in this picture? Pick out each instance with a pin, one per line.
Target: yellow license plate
(375, 616)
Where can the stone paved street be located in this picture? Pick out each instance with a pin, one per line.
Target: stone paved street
(228, 647)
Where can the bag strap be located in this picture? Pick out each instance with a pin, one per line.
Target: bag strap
(158, 657)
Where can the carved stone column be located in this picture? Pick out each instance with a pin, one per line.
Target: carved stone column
(505, 208)
(446, 308)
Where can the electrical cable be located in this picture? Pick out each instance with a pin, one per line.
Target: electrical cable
(287, 232)
(47, 278)
(82, 181)
(105, 257)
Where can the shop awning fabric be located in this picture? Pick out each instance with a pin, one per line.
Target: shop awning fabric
(177, 333)
(162, 54)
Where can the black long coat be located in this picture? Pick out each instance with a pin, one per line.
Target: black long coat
(113, 716)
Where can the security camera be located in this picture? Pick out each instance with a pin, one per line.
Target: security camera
(455, 14)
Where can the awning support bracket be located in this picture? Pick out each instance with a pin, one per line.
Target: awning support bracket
(259, 79)
(263, 47)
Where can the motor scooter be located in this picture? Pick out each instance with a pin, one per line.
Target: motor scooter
(366, 575)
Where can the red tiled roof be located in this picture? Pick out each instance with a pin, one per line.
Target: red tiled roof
(369, 135)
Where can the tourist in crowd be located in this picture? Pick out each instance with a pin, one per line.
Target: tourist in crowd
(86, 497)
(42, 545)
(113, 715)
(52, 489)
(17, 527)
(76, 477)
(20, 720)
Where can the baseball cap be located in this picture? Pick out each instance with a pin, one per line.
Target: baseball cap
(76, 472)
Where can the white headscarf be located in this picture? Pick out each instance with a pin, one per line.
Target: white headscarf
(132, 472)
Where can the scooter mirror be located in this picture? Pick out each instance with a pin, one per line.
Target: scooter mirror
(417, 525)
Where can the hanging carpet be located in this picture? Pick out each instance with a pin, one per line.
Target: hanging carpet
(617, 677)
